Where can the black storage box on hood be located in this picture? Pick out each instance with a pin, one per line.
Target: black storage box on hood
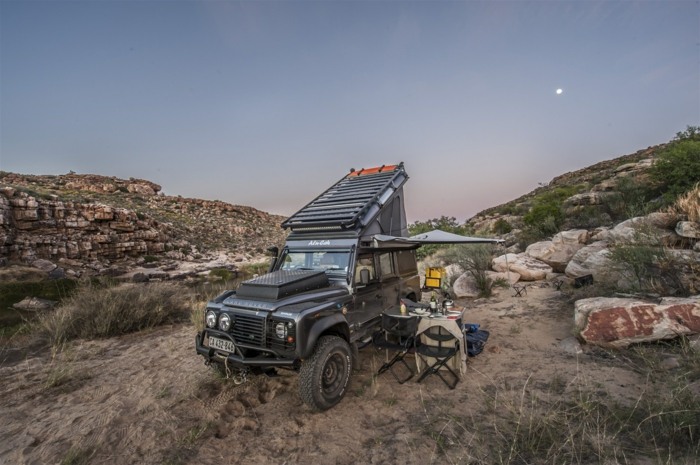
(279, 284)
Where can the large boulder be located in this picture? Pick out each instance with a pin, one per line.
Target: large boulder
(465, 286)
(617, 322)
(501, 263)
(530, 269)
(555, 254)
(592, 259)
(573, 236)
(641, 230)
(509, 276)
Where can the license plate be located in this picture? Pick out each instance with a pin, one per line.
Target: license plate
(221, 344)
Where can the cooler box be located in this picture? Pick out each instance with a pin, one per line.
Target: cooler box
(434, 277)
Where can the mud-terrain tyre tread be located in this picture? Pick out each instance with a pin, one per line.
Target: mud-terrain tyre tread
(328, 348)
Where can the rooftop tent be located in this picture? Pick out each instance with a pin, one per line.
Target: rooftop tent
(432, 237)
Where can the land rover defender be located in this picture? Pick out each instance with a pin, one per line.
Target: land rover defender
(325, 290)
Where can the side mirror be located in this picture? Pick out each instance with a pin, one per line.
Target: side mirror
(274, 254)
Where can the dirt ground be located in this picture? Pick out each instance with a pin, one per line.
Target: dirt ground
(148, 398)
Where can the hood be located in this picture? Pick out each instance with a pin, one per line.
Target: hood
(280, 284)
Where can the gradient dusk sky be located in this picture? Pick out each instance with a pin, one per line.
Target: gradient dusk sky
(268, 103)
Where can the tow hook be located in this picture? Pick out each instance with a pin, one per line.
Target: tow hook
(241, 377)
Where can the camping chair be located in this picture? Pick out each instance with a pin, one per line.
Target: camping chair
(440, 346)
(398, 334)
(520, 290)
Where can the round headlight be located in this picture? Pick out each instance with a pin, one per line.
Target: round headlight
(211, 319)
(281, 330)
(224, 322)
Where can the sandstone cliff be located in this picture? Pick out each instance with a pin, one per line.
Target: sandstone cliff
(91, 218)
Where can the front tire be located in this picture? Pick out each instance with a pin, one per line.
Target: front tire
(325, 377)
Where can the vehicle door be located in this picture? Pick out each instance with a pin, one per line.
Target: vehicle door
(369, 299)
(389, 279)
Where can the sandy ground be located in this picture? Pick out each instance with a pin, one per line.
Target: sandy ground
(147, 398)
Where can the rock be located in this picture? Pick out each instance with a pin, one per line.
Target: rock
(570, 345)
(465, 286)
(574, 236)
(139, 278)
(530, 269)
(591, 259)
(502, 262)
(688, 229)
(662, 220)
(43, 265)
(586, 198)
(669, 363)
(642, 231)
(57, 273)
(509, 276)
(555, 254)
(694, 343)
(617, 322)
(34, 304)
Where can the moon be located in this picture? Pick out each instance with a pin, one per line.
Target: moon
(560, 91)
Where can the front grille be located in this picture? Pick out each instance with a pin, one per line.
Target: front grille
(249, 329)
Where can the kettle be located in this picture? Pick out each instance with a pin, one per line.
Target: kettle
(448, 304)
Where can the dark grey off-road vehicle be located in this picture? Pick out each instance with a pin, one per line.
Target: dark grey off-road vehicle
(325, 291)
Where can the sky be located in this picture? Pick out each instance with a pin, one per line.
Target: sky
(269, 103)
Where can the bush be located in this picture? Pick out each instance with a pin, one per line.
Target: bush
(546, 216)
(94, 312)
(654, 269)
(501, 226)
(631, 198)
(677, 168)
(475, 260)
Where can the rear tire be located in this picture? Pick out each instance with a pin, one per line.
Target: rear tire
(325, 376)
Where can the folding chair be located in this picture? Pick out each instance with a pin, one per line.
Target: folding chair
(519, 290)
(440, 346)
(398, 334)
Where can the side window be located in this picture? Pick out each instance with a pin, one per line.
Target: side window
(365, 262)
(407, 262)
(386, 265)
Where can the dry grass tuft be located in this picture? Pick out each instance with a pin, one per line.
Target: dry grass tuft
(95, 312)
(689, 204)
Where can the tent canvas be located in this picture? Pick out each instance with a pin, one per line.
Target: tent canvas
(436, 236)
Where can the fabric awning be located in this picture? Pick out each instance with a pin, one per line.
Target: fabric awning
(436, 236)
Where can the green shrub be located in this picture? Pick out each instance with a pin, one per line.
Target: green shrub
(677, 168)
(501, 226)
(546, 216)
(475, 260)
(651, 268)
(632, 198)
(98, 312)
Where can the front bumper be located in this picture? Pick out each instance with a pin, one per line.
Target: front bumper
(263, 358)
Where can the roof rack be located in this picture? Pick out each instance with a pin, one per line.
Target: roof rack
(352, 202)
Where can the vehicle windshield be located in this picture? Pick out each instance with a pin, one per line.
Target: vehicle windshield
(332, 262)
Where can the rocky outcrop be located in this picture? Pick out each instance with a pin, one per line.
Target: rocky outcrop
(51, 229)
(90, 220)
(617, 322)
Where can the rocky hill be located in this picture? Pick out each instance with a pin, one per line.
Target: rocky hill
(98, 223)
(592, 186)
